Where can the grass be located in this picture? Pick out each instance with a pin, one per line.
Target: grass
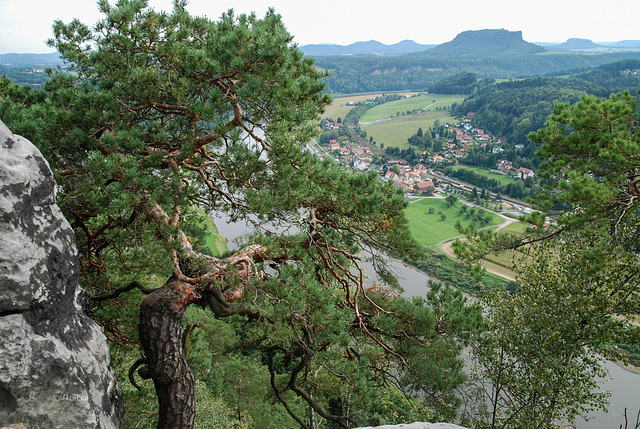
(518, 228)
(214, 240)
(427, 102)
(503, 179)
(396, 132)
(503, 262)
(503, 259)
(430, 228)
(339, 108)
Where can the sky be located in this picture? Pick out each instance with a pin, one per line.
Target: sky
(26, 24)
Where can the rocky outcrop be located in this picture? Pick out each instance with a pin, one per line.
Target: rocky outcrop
(54, 361)
(483, 43)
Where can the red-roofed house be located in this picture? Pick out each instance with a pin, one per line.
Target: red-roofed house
(523, 173)
(424, 187)
(402, 186)
(391, 175)
(362, 150)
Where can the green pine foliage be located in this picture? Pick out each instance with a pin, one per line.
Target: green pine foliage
(166, 117)
(461, 83)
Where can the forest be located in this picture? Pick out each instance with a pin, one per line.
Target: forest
(516, 108)
(349, 75)
(165, 119)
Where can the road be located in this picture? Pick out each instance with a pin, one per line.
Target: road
(447, 246)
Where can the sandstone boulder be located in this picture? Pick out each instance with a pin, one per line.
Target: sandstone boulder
(54, 361)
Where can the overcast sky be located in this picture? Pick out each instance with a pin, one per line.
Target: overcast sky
(26, 24)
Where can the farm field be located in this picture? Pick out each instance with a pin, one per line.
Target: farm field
(396, 132)
(429, 228)
(427, 102)
(339, 109)
(502, 178)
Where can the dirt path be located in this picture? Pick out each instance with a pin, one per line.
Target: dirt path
(447, 248)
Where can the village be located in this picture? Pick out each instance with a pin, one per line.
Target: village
(422, 178)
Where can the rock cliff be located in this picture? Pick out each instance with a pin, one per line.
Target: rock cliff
(482, 43)
(54, 361)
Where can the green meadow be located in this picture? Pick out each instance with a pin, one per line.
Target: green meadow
(503, 179)
(339, 107)
(430, 228)
(426, 102)
(214, 240)
(397, 131)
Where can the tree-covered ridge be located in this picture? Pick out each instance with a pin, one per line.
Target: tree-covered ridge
(462, 83)
(514, 109)
(352, 74)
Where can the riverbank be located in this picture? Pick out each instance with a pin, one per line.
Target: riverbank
(631, 368)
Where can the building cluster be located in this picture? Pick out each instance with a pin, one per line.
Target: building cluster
(361, 157)
(415, 179)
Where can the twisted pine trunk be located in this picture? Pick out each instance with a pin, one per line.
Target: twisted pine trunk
(161, 337)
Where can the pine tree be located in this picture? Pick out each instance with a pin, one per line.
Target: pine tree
(162, 118)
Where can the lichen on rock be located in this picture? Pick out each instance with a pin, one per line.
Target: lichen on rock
(54, 360)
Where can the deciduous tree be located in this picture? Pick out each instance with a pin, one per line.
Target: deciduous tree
(581, 279)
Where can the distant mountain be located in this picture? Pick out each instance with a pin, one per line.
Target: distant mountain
(52, 59)
(632, 44)
(586, 45)
(482, 43)
(574, 43)
(371, 47)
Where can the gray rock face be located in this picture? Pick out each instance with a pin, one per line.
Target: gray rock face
(54, 361)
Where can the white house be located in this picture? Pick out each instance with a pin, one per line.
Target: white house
(523, 173)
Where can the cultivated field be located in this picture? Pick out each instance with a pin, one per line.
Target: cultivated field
(426, 102)
(339, 109)
(395, 132)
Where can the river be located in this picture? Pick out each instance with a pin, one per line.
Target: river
(623, 384)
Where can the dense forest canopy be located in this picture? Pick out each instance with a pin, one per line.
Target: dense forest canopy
(461, 83)
(513, 109)
(417, 73)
